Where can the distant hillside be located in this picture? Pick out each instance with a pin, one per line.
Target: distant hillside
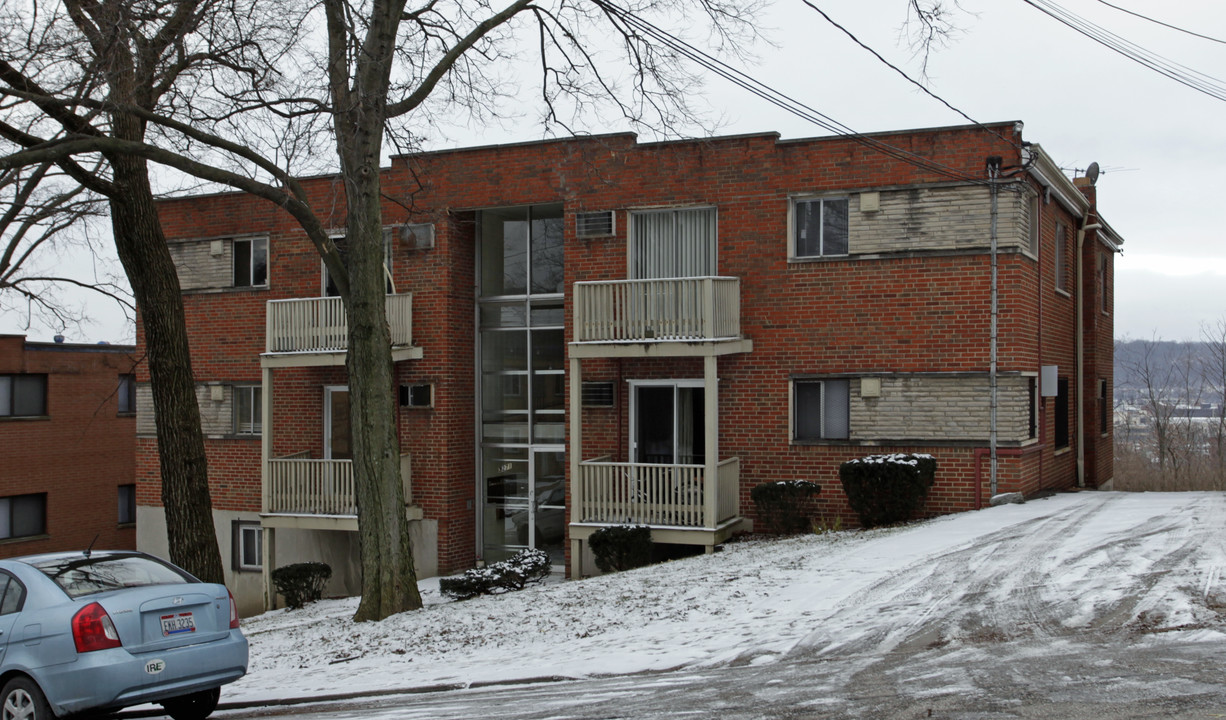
(1183, 369)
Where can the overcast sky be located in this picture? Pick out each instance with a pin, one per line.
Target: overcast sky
(1158, 142)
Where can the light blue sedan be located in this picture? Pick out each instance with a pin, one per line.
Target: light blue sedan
(104, 630)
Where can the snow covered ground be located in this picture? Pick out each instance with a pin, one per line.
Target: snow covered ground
(1144, 568)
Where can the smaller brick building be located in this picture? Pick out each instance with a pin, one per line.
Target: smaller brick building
(67, 446)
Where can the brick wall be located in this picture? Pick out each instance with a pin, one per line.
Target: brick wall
(910, 301)
(78, 454)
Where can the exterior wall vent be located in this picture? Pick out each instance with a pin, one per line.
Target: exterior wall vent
(418, 395)
(414, 236)
(594, 224)
(597, 394)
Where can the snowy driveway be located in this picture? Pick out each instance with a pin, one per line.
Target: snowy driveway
(952, 607)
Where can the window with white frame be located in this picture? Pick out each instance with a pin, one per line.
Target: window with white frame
(23, 395)
(821, 409)
(23, 516)
(1061, 257)
(819, 227)
(247, 409)
(673, 243)
(248, 545)
(251, 262)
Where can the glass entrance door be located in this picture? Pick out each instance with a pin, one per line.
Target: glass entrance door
(668, 422)
(525, 502)
(336, 423)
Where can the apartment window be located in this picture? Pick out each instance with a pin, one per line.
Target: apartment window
(821, 410)
(247, 409)
(1061, 257)
(1062, 425)
(819, 227)
(673, 243)
(1032, 216)
(23, 516)
(1104, 406)
(251, 262)
(23, 395)
(248, 545)
(342, 247)
(127, 393)
(1104, 294)
(127, 504)
(1033, 392)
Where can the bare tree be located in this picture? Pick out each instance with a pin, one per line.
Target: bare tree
(1214, 364)
(90, 73)
(385, 72)
(48, 218)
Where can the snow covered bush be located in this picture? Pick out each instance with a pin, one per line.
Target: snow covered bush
(786, 506)
(621, 547)
(301, 583)
(886, 489)
(514, 573)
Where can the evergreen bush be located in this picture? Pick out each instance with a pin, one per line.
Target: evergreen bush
(621, 547)
(785, 507)
(514, 573)
(301, 583)
(887, 489)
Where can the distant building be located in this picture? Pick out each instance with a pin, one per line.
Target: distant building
(595, 331)
(67, 446)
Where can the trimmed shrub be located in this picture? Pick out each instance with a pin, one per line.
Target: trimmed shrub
(621, 547)
(785, 506)
(301, 583)
(514, 573)
(887, 489)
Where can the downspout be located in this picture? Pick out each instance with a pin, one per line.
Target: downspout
(1080, 349)
(994, 163)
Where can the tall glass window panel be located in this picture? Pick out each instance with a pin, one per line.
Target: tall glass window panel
(504, 252)
(547, 271)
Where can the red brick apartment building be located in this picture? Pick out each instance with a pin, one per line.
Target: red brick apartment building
(595, 331)
(67, 446)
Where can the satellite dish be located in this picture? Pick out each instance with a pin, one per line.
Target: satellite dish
(1092, 173)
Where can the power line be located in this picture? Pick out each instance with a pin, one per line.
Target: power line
(1159, 22)
(778, 98)
(1194, 79)
(907, 77)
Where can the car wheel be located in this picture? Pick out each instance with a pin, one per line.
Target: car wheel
(22, 700)
(196, 706)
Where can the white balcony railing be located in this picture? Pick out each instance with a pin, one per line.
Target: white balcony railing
(680, 309)
(656, 495)
(320, 324)
(298, 485)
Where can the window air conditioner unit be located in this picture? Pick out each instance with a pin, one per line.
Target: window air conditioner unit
(418, 395)
(594, 224)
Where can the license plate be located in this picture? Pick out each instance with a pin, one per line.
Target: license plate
(178, 624)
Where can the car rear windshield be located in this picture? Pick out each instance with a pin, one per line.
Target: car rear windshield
(79, 575)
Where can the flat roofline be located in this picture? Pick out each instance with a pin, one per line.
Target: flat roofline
(79, 347)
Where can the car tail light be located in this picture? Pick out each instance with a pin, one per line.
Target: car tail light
(92, 629)
(233, 611)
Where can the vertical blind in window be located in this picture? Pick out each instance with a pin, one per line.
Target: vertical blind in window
(673, 243)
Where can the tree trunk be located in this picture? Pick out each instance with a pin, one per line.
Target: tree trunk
(389, 578)
(185, 482)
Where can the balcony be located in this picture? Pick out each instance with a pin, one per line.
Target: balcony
(662, 317)
(679, 502)
(315, 331)
(308, 493)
